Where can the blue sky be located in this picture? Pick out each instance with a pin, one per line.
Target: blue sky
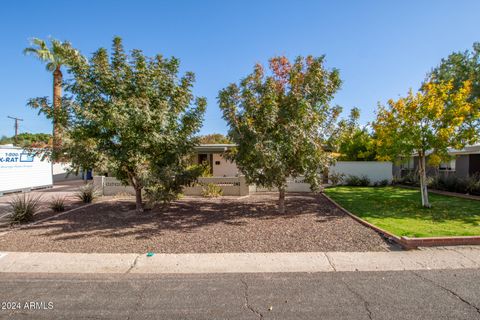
(382, 48)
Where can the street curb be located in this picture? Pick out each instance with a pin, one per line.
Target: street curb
(412, 243)
(255, 262)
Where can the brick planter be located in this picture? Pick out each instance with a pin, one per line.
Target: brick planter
(412, 243)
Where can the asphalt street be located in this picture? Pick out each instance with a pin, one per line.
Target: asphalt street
(439, 294)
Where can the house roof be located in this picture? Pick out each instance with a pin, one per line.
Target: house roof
(471, 149)
(221, 147)
(475, 148)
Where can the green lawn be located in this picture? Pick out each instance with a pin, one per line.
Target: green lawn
(399, 211)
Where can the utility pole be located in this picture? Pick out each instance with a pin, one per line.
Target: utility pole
(16, 126)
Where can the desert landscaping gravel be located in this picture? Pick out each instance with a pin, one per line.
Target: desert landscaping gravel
(196, 225)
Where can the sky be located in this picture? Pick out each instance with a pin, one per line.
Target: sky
(382, 48)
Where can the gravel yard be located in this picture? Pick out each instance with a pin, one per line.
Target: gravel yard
(64, 189)
(195, 225)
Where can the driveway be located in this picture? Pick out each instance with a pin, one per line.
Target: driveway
(64, 189)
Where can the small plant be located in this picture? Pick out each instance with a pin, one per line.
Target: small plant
(473, 184)
(453, 183)
(211, 190)
(409, 179)
(381, 183)
(57, 204)
(87, 193)
(357, 181)
(23, 207)
(336, 178)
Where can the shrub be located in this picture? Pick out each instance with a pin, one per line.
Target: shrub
(453, 183)
(57, 204)
(159, 195)
(381, 183)
(172, 184)
(23, 207)
(409, 179)
(211, 190)
(336, 178)
(87, 193)
(357, 181)
(473, 184)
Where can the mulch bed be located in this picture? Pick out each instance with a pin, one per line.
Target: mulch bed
(196, 225)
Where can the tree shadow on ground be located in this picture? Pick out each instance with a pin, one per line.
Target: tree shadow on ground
(119, 219)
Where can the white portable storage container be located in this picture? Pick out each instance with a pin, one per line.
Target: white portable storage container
(21, 171)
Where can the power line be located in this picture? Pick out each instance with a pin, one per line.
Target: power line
(15, 126)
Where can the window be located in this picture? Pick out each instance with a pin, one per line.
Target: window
(447, 166)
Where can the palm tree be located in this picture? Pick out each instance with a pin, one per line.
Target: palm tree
(55, 57)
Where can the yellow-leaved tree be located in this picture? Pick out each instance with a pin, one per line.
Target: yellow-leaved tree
(427, 123)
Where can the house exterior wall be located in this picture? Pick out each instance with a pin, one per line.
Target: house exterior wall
(223, 167)
(462, 165)
(474, 165)
(465, 165)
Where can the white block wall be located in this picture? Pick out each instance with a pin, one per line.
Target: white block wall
(374, 170)
(21, 171)
(231, 186)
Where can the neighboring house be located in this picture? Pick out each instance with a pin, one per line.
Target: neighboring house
(464, 163)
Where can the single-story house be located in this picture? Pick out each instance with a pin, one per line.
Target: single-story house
(226, 174)
(463, 163)
(214, 156)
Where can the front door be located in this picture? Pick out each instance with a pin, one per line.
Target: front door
(206, 158)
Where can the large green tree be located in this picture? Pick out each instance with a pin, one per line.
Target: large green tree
(355, 143)
(29, 140)
(54, 56)
(214, 138)
(459, 67)
(425, 124)
(280, 121)
(135, 117)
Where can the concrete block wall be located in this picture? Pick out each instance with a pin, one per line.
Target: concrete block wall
(231, 186)
(374, 170)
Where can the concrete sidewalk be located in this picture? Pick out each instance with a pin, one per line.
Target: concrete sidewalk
(423, 259)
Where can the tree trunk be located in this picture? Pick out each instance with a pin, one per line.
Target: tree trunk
(138, 200)
(57, 107)
(423, 180)
(281, 200)
(138, 192)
